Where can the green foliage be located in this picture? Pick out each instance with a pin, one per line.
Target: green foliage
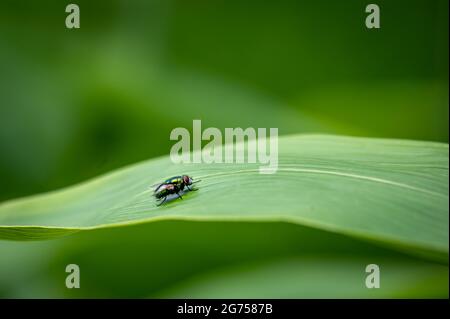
(386, 190)
(79, 103)
(344, 203)
(75, 104)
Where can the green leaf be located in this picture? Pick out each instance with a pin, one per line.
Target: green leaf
(393, 192)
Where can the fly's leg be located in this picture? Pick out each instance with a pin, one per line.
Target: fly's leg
(193, 189)
(179, 196)
(164, 199)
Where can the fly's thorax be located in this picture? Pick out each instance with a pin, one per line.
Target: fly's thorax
(174, 180)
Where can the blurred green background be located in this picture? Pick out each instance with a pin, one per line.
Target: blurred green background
(78, 103)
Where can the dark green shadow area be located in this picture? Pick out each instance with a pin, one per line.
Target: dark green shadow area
(213, 259)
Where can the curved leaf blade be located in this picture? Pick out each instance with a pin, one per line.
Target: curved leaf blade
(392, 191)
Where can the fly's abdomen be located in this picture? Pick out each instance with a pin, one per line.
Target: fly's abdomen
(164, 190)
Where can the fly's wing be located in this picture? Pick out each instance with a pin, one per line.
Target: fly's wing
(163, 190)
(172, 180)
(158, 186)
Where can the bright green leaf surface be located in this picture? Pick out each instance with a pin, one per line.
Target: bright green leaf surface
(391, 191)
(348, 202)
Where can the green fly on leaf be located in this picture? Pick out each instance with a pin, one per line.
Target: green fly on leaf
(173, 186)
